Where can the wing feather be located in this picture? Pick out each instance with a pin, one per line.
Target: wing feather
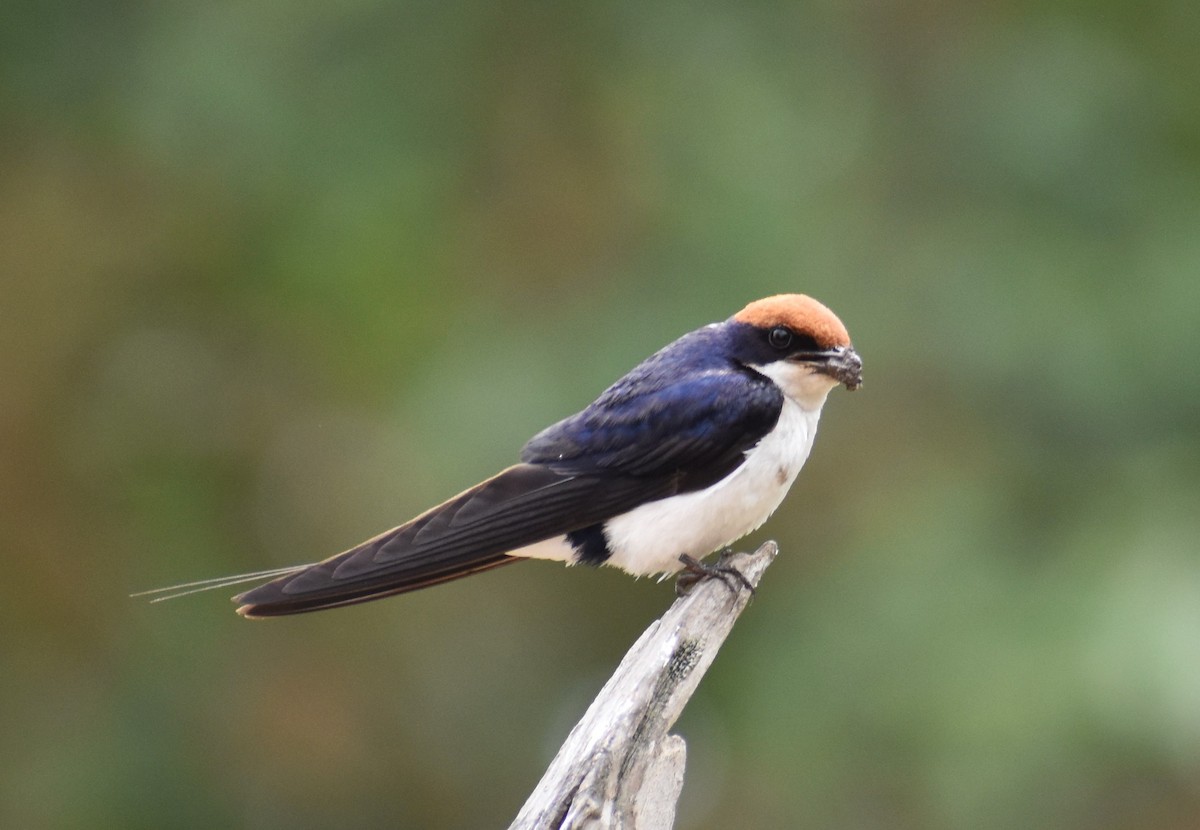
(471, 532)
(672, 425)
(697, 426)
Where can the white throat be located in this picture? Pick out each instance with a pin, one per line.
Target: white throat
(799, 382)
(649, 539)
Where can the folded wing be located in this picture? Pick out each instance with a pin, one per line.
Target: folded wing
(666, 428)
(471, 532)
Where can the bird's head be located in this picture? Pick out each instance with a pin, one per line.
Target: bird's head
(798, 343)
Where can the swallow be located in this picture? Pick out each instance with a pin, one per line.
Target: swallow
(688, 452)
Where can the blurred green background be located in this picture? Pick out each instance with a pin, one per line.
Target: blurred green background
(277, 276)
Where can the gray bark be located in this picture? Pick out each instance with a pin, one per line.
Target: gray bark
(620, 768)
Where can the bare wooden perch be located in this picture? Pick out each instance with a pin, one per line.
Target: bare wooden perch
(619, 768)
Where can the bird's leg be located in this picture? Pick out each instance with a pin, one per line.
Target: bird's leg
(695, 571)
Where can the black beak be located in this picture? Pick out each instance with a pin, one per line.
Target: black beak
(842, 364)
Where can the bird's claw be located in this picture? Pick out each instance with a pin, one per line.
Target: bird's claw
(695, 571)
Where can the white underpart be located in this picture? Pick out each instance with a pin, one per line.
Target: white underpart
(649, 539)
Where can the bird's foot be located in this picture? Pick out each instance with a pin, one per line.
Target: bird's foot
(695, 571)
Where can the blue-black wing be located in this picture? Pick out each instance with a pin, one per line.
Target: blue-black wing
(662, 430)
(471, 532)
(696, 428)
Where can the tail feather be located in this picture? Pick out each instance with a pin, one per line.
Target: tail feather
(272, 600)
(473, 531)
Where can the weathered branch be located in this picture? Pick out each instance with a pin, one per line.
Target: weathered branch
(619, 768)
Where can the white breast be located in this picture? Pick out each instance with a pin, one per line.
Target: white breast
(650, 538)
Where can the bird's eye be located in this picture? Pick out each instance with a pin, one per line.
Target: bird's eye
(779, 338)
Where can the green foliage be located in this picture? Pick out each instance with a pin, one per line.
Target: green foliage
(279, 276)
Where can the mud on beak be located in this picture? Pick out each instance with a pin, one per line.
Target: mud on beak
(843, 365)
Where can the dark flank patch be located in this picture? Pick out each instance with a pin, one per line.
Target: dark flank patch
(591, 545)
